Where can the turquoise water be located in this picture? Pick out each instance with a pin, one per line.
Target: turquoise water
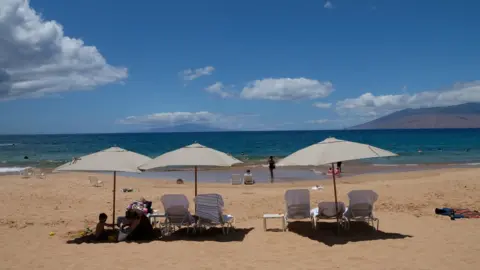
(437, 146)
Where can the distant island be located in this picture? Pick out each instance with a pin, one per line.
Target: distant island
(185, 128)
(459, 116)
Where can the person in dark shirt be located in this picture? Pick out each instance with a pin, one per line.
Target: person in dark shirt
(271, 167)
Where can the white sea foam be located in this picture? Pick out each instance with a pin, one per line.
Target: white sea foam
(6, 144)
(396, 165)
(11, 169)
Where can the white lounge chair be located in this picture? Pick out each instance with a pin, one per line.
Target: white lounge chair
(236, 179)
(176, 212)
(95, 182)
(248, 180)
(297, 204)
(360, 207)
(328, 211)
(209, 209)
(27, 172)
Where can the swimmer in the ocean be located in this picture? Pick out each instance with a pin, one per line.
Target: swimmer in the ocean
(25, 157)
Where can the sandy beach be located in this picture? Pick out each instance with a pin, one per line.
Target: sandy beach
(411, 236)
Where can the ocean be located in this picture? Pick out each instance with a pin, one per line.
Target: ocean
(449, 146)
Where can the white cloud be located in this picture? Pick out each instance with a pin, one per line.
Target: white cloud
(319, 121)
(165, 119)
(321, 105)
(328, 5)
(36, 58)
(219, 89)
(371, 105)
(171, 118)
(286, 89)
(192, 74)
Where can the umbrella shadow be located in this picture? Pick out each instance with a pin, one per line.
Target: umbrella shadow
(326, 233)
(212, 235)
(90, 239)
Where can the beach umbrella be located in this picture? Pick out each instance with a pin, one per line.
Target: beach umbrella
(194, 155)
(331, 151)
(113, 159)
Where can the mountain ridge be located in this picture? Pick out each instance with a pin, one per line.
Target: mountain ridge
(185, 128)
(465, 115)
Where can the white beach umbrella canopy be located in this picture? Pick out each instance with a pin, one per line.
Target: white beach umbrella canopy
(194, 155)
(333, 150)
(113, 159)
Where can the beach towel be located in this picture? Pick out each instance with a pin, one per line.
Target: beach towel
(139, 206)
(455, 213)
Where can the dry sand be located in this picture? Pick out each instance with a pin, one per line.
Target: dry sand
(410, 236)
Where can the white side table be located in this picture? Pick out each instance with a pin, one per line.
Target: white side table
(273, 216)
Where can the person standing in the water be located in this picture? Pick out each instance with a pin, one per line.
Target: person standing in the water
(271, 167)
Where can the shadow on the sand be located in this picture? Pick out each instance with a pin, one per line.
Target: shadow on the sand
(327, 233)
(90, 239)
(212, 234)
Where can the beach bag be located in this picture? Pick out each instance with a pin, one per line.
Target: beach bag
(139, 206)
(123, 234)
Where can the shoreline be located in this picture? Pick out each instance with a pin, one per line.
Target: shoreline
(261, 173)
(257, 163)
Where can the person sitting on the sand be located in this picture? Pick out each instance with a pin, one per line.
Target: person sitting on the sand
(100, 232)
(248, 175)
(137, 226)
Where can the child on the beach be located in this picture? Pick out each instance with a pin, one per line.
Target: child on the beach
(100, 232)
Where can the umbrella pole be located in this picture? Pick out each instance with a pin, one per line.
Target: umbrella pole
(335, 190)
(195, 181)
(114, 188)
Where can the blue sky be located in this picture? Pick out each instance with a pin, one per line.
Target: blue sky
(114, 66)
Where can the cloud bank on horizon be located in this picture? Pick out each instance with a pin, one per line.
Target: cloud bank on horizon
(36, 58)
(369, 104)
